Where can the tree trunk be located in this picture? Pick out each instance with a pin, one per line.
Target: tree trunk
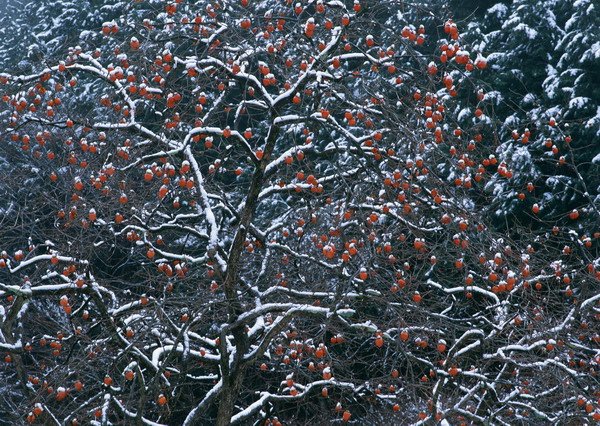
(226, 402)
(228, 396)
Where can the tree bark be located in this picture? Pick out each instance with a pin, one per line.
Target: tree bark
(233, 376)
(228, 396)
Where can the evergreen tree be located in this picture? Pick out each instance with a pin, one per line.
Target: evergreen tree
(545, 57)
(35, 31)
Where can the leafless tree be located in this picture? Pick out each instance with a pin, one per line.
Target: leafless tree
(268, 215)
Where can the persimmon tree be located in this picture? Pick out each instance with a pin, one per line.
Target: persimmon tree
(270, 215)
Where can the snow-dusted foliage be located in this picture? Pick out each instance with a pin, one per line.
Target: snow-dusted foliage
(272, 212)
(546, 59)
(32, 30)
